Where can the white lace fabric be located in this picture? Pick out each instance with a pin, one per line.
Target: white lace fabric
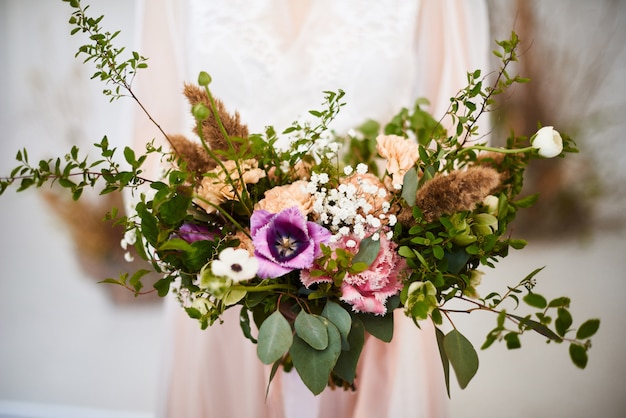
(283, 63)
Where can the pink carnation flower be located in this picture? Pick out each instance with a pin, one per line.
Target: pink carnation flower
(369, 290)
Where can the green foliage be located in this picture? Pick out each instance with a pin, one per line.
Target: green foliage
(103, 54)
(462, 356)
(275, 338)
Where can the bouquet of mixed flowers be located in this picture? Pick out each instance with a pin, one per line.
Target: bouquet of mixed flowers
(319, 238)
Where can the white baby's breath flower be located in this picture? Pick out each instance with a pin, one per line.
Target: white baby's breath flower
(351, 243)
(129, 257)
(361, 168)
(236, 264)
(130, 238)
(347, 170)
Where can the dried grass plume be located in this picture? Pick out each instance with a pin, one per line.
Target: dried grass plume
(211, 131)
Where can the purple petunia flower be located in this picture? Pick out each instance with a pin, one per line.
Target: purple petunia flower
(285, 241)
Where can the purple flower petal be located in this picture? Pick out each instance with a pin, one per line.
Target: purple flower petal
(285, 241)
(259, 219)
(320, 235)
(269, 269)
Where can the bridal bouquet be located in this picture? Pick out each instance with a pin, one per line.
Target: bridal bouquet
(318, 238)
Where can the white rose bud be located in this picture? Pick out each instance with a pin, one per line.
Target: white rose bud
(548, 141)
(491, 203)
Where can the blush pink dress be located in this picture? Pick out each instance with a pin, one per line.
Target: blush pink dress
(270, 60)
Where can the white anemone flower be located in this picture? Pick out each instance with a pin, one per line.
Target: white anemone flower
(236, 264)
(548, 141)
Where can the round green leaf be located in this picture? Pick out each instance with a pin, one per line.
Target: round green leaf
(588, 329)
(314, 366)
(311, 329)
(341, 319)
(275, 338)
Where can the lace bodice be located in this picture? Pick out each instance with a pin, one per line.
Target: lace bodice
(271, 59)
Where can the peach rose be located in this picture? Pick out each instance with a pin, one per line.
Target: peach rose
(400, 153)
(284, 197)
(215, 188)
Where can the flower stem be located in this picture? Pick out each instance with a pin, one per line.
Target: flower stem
(264, 288)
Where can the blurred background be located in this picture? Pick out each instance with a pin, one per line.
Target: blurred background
(70, 347)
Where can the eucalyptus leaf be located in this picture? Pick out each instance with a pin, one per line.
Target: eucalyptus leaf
(462, 356)
(378, 326)
(409, 187)
(341, 319)
(348, 359)
(312, 330)
(314, 366)
(275, 338)
(368, 251)
(444, 358)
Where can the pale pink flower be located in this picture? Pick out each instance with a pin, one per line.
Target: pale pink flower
(369, 290)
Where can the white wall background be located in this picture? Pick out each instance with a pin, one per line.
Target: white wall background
(66, 350)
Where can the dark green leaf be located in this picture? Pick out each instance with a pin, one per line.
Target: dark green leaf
(536, 326)
(348, 359)
(457, 259)
(588, 329)
(444, 358)
(462, 356)
(512, 340)
(244, 322)
(535, 300)
(563, 321)
(314, 366)
(378, 326)
(559, 302)
(175, 209)
(578, 354)
(163, 286)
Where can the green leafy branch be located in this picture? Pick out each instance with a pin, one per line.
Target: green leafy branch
(107, 58)
(65, 171)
